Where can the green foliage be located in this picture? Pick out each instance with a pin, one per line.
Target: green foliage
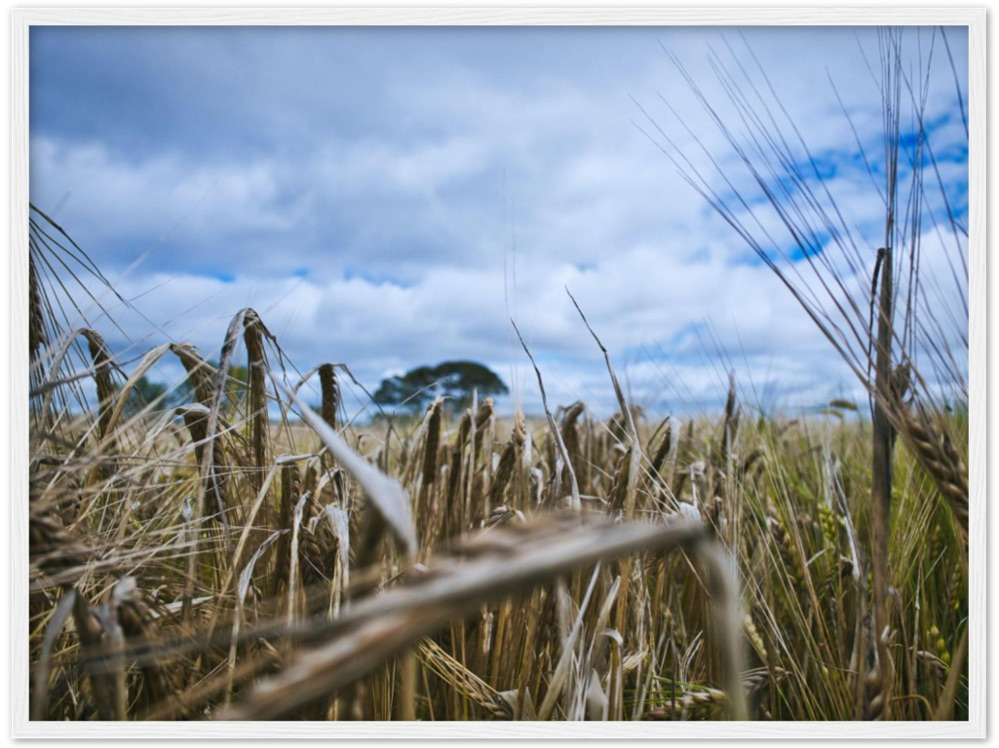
(149, 391)
(143, 394)
(236, 386)
(455, 380)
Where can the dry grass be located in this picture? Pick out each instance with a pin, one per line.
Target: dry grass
(243, 556)
(442, 570)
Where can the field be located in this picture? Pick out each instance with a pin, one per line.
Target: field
(255, 551)
(207, 561)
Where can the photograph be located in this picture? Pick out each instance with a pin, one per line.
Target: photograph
(426, 373)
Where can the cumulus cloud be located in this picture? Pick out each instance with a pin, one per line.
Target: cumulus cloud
(392, 197)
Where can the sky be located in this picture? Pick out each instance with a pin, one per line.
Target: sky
(393, 197)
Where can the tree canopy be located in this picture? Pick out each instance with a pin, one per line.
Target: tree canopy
(455, 380)
(146, 391)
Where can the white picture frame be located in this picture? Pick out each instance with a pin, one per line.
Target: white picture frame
(23, 19)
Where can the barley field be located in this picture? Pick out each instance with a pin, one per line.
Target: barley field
(257, 552)
(208, 561)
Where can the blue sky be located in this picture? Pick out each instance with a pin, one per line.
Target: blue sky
(390, 197)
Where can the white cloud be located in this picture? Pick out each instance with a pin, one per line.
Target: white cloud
(403, 223)
(102, 191)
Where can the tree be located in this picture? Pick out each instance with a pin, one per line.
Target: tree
(455, 380)
(463, 378)
(144, 392)
(233, 396)
(148, 391)
(237, 386)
